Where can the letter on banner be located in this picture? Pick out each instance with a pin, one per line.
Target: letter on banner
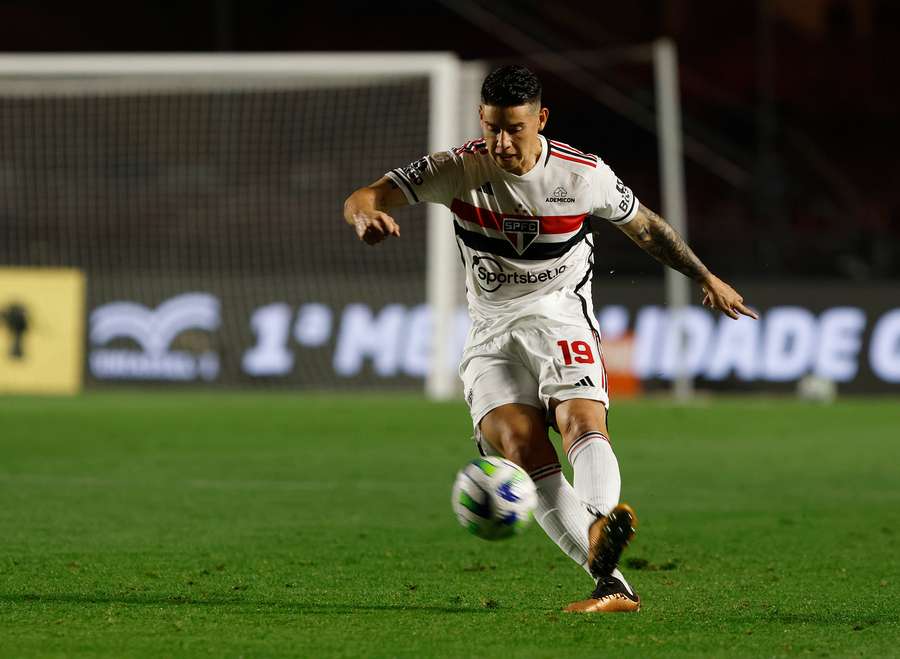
(839, 343)
(416, 343)
(648, 327)
(313, 326)
(695, 327)
(270, 355)
(884, 352)
(735, 348)
(364, 336)
(789, 343)
(613, 321)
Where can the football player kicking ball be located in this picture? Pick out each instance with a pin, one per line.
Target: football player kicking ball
(520, 205)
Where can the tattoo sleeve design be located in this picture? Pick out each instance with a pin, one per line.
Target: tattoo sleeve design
(664, 244)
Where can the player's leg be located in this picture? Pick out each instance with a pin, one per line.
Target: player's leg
(573, 388)
(510, 419)
(519, 433)
(582, 424)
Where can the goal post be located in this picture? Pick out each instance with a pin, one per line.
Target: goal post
(446, 290)
(81, 135)
(440, 383)
(674, 207)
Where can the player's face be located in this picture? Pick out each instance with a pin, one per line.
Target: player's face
(511, 135)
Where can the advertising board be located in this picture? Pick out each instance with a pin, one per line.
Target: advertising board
(291, 337)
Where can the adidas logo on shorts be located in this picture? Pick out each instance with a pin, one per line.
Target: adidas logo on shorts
(585, 382)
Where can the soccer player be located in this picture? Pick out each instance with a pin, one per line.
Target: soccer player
(520, 204)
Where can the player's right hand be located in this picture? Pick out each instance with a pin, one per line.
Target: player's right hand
(375, 226)
(719, 295)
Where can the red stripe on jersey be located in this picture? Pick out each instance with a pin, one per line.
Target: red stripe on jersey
(562, 223)
(475, 215)
(492, 220)
(567, 146)
(557, 154)
(603, 370)
(470, 147)
(571, 151)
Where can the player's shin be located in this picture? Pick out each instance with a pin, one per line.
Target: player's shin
(597, 479)
(561, 514)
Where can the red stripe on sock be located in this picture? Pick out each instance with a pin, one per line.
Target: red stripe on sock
(584, 439)
(544, 472)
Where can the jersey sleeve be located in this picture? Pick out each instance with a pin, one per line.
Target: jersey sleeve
(612, 199)
(435, 178)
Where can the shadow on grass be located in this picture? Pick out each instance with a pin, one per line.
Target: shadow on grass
(179, 600)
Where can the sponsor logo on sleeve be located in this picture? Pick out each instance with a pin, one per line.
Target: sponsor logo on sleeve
(626, 201)
(414, 170)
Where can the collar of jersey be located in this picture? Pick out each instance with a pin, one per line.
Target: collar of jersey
(531, 173)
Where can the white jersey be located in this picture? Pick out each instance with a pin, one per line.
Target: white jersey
(524, 240)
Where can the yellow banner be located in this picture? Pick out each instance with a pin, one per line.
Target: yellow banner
(41, 330)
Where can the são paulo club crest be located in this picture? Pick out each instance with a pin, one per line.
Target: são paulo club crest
(521, 232)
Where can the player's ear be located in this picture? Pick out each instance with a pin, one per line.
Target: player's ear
(542, 118)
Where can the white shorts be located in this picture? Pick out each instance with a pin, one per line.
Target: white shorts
(531, 364)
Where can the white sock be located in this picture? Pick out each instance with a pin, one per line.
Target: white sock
(618, 575)
(597, 479)
(561, 514)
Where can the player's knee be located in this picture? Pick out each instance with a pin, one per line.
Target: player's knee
(531, 455)
(574, 418)
(530, 450)
(520, 434)
(577, 426)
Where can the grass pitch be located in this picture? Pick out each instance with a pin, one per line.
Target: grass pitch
(149, 525)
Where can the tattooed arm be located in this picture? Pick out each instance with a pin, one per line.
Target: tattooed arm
(657, 237)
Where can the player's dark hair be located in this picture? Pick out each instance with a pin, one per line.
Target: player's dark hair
(510, 86)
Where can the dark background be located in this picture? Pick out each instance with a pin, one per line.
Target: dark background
(790, 106)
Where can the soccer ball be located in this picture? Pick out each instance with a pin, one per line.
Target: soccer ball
(493, 498)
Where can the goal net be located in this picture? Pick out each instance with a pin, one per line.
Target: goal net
(201, 197)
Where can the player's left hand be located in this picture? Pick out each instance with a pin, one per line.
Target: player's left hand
(719, 295)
